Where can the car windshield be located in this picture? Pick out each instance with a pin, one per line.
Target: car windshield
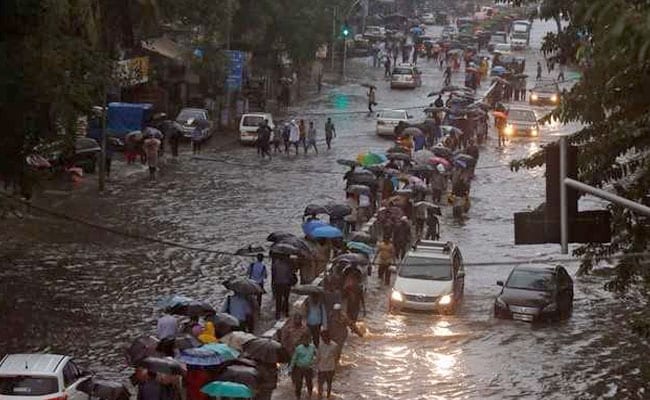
(253, 120)
(497, 39)
(433, 269)
(392, 115)
(541, 281)
(546, 87)
(186, 115)
(28, 385)
(402, 71)
(522, 115)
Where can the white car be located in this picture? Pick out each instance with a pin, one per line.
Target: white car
(387, 120)
(503, 48)
(248, 125)
(41, 377)
(431, 277)
(375, 32)
(428, 19)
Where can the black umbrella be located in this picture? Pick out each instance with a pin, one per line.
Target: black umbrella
(240, 374)
(86, 145)
(362, 237)
(443, 152)
(162, 365)
(362, 179)
(265, 350)
(421, 168)
(369, 86)
(358, 189)
(348, 163)
(249, 250)
(399, 156)
(183, 342)
(105, 389)
(141, 348)
(315, 209)
(376, 169)
(243, 286)
(306, 250)
(194, 308)
(278, 236)
(351, 258)
(285, 249)
(338, 210)
(307, 289)
(396, 149)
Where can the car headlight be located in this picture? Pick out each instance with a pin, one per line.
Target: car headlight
(500, 303)
(550, 308)
(554, 98)
(534, 132)
(445, 300)
(396, 296)
(509, 130)
(534, 97)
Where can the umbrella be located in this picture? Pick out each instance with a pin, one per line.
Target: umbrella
(396, 149)
(415, 181)
(429, 206)
(363, 179)
(200, 357)
(348, 163)
(105, 389)
(412, 131)
(422, 156)
(265, 350)
(223, 350)
(451, 130)
(244, 374)
(326, 232)
(370, 158)
(361, 247)
(362, 237)
(173, 300)
(338, 210)
(237, 339)
(498, 70)
(368, 85)
(183, 342)
(278, 236)
(315, 209)
(227, 389)
(134, 136)
(141, 348)
(194, 308)
(304, 248)
(350, 258)
(499, 114)
(249, 250)
(86, 145)
(439, 160)
(465, 157)
(450, 88)
(307, 289)
(399, 156)
(284, 248)
(162, 365)
(358, 189)
(442, 151)
(224, 319)
(310, 225)
(461, 163)
(243, 286)
(376, 169)
(421, 168)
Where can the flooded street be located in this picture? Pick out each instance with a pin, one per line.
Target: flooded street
(77, 290)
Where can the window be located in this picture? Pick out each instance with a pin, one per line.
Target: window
(433, 269)
(70, 374)
(543, 281)
(28, 385)
(522, 115)
(252, 120)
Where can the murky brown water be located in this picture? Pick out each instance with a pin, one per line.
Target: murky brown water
(75, 290)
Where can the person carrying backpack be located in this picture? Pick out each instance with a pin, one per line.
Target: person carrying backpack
(257, 272)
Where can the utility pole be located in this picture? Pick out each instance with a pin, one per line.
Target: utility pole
(564, 217)
(104, 142)
(345, 36)
(334, 12)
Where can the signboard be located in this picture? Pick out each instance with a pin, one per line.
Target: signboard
(235, 69)
(133, 71)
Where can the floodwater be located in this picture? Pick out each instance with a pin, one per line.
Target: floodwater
(77, 290)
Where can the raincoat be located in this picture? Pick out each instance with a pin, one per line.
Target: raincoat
(208, 334)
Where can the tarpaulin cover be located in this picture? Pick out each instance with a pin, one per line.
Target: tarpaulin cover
(123, 118)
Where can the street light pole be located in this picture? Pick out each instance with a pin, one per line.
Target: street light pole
(345, 40)
(104, 143)
(334, 12)
(564, 223)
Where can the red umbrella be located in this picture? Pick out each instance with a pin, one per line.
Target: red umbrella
(499, 114)
(439, 160)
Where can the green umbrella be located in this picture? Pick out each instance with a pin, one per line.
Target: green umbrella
(227, 389)
(369, 159)
(225, 351)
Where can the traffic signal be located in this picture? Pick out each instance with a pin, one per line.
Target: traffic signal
(345, 30)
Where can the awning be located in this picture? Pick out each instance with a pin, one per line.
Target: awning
(165, 47)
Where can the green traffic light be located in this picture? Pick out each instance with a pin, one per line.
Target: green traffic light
(346, 32)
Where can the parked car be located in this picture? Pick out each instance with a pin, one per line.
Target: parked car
(387, 120)
(375, 33)
(535, 293)
(405, 77)
(41, 377)
(545, 92)
(502, 48)
(248, 125)
(521, 122)
(431, 277)
(191, 118)
(84, 154)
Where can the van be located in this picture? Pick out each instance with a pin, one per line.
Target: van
(431, 277)
(249, 124)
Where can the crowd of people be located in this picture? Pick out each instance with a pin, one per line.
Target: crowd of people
(293, 134)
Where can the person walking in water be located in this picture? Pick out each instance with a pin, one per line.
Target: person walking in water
(326, 363)
(294, 135)
(151, 146)
(330, 132)
(302, 364)
(539, 71)
(371, 98)
(311, 138)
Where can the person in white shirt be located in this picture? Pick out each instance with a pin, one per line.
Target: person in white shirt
(326, 355)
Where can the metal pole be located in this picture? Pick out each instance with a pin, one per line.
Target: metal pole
(345, 56)
(104, 140)
(333, 37)
(622, 201)
(564, 223)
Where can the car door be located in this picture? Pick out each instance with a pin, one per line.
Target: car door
(73, 376)
(565, 291)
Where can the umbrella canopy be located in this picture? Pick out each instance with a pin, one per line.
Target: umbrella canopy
(105, 389)
(326, 232)
(162, 365)
(439, 160)
(223, 350)
(285, 249)
(498, 70)
(227, 389)
(461, 163)
(338, 210)
(237, 339)
(307, 289)
(86, 145)
(414, 180)
(422, 156)
(304, 248)
(249, 250)
(361, 247)
(350, 258)
(200, 357)
(413, 131)
(265, 350)
(396, 149)
(362, 237)
(172, 300)
(368, 85)
(451, 130)
(429, 206)
(243, 374)
(376, 169)
(278, 236)
(421, 168)
(358, 189)
(183, 342)
(366, 178)
(348, 163)
(399, 156)
(134, 136)
(442, 151)
(141, 348)
(223, 319)
(195, 308)
(315, 209)
(310, 225)
(368, 159)
(243, 286)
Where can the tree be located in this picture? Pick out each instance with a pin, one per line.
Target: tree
(612, 43)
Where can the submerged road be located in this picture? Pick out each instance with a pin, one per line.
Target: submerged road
(79, 291)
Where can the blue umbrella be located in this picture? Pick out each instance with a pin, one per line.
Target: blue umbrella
(200, 357)
(309, 226)
(326, 232)
(223, 350)
(499, 70)
(362, 247)
(460, 163)
(227, 389)
(173, 300)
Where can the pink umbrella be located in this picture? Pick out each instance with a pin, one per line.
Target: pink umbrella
(439, 160)
(415, 181)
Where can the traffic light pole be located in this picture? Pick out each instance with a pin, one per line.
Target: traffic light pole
(345, 38)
